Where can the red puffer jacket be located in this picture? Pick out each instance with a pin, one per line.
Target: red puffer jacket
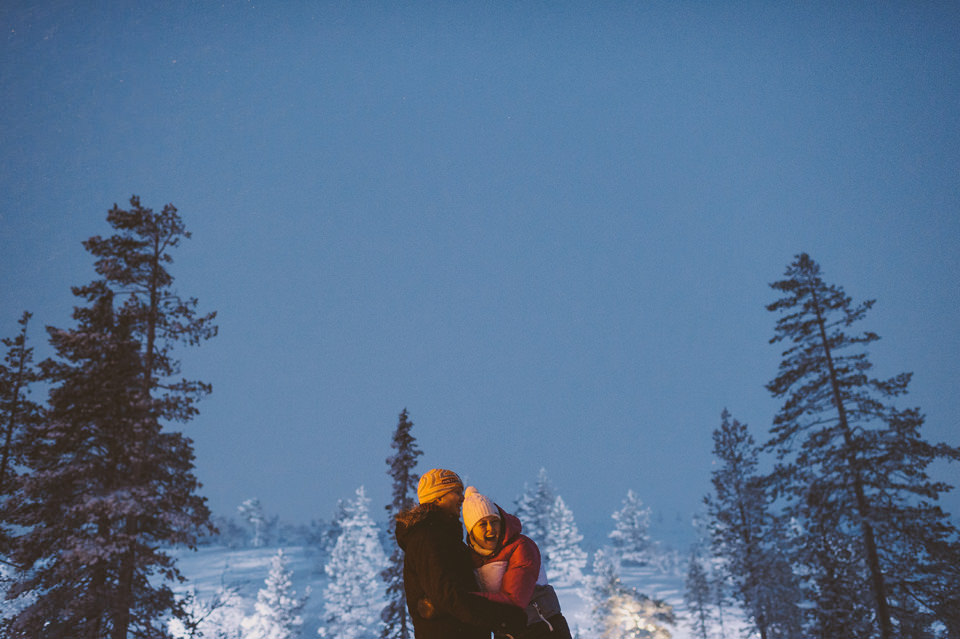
(509, 574)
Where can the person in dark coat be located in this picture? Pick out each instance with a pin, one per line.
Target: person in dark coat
(438, 576)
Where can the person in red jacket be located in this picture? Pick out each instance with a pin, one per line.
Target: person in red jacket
(508, 567)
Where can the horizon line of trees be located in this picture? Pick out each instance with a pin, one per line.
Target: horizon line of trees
(359, 602)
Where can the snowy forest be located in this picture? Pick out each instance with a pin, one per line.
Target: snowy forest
(824, 524)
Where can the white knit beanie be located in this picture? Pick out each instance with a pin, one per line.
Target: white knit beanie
(476, 507)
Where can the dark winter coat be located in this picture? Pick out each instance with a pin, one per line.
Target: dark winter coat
(439, 581)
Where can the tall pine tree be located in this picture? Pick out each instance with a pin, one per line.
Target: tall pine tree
(106, 487)
(396, 619)
(17, 413)
(852, 466)
(251, 512)
(745, 535)
(698, 596)
(17, 410)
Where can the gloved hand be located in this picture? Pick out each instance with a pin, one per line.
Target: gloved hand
(512, 621)
(426, 608)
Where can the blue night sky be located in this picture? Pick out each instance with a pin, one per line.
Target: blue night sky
(545, 229)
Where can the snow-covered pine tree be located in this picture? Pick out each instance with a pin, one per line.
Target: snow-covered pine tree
(619, 611)
(830, 569)
(720, 597)
(566, 559)
(334, 528)
(718, 581)
(533, 507)
(76, 537)
(354, 594)
(396, 619)
(848, 454)
(600, 586)
(278, 608)
(106, 489)
(631, 533)
(698, 595)
(219, 617)
(747, 538)
(251, 512)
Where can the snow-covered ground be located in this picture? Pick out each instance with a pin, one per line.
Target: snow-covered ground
(212, 567)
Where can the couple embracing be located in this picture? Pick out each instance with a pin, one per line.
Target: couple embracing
(495, 582)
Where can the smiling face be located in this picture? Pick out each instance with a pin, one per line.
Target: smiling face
(486, 532)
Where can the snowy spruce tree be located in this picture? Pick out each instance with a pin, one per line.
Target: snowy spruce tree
(251, 512)
(830, 572)
(698, 595)
(533, 507)
(567, 559)
(278, 608)
(354, 596)
(747, 538)
(852, 471)
(401, 465)
(334, 528)
(619, 611)
(631, 533)
(107, 488)
(218, 617)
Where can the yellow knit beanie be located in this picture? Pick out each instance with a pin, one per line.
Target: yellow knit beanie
(436, 483)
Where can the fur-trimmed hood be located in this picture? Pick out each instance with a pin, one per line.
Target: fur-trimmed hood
(426, 515)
